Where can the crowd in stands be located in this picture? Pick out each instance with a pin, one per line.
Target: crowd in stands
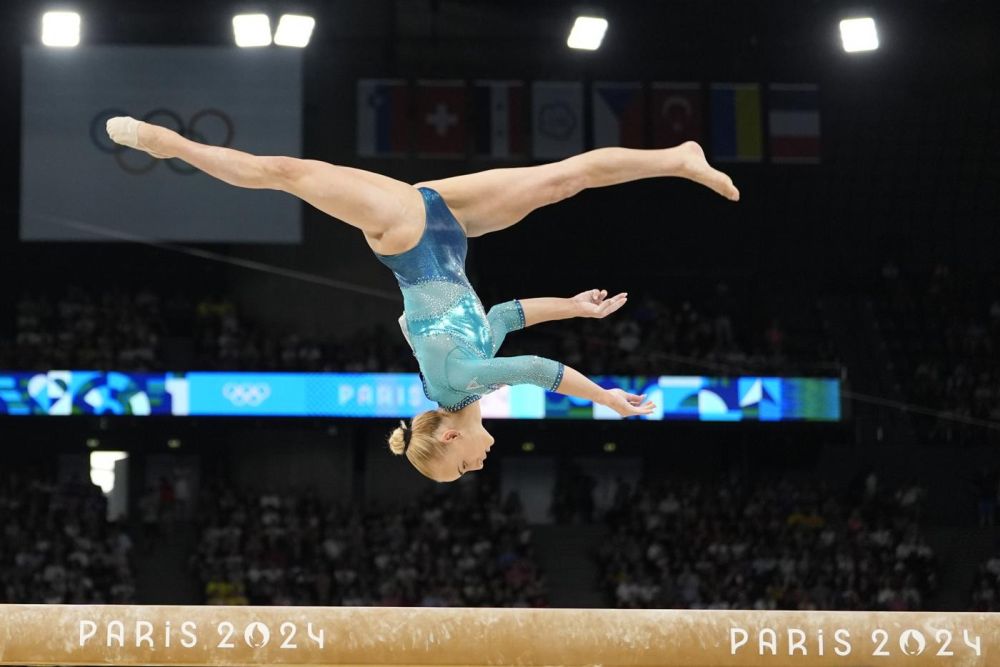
(461, 547)
(144, 331)
(721, 334)
(109, 330)
(226, 340)
(781, 544)
(942, 331)
(57, 546)
(986, 587)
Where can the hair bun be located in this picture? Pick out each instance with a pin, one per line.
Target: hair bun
(399, 441)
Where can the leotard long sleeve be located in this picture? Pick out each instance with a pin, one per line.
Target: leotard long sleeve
(454, 340)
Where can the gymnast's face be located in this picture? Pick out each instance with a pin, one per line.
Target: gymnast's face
(467, 444)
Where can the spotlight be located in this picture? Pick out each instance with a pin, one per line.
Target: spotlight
(93, 443)
(174, 443)
(588, 33)
(527, 446)
(859, 34)
(610, 447)
(60, 29)
(252, 30)
(294, 30)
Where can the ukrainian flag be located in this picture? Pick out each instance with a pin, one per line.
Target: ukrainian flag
(736, 122)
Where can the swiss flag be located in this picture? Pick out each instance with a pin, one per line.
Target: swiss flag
(442, 119)
(677, 110)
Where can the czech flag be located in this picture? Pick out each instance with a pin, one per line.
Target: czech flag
(619, 114)
(736, 122)
(794, 123)
(383, 111)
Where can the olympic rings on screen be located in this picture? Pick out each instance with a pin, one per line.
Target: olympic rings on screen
(208, 126)
(246, 395)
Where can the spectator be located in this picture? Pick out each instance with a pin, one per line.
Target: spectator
(277, 549)
(774, 545)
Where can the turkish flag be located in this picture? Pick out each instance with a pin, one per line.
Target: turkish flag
(677, 110)
(442, 119)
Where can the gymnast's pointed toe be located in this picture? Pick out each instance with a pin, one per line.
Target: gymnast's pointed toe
(124, 130)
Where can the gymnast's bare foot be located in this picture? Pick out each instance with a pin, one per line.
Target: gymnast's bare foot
(133, 133)
(696, 168)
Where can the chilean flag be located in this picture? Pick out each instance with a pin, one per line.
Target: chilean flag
(442, 124)
(794, 123)
(499, 113)
(383, 107)
(619, 114)
(677, 111)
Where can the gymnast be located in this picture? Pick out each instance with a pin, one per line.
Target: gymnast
(420, 232)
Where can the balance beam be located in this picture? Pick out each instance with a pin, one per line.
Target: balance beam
(229, 636)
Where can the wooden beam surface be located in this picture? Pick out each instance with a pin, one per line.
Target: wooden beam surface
(224, 636)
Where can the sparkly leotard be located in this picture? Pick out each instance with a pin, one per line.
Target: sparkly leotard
(454, 340)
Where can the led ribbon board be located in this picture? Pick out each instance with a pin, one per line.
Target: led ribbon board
(392, 395)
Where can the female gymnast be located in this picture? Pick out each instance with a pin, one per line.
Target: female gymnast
(420, 232)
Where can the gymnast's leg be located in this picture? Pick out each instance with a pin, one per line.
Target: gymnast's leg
(388, 211)
(488, 201)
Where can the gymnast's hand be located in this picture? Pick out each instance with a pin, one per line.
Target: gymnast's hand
(626, 404)
(594, 303)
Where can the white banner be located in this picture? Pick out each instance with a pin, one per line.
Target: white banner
(76, 185)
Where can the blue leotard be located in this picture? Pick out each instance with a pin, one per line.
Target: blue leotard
(454, 340)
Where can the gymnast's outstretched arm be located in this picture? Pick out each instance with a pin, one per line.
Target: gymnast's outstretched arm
(470, 374)
(625, 404)
(520, 313)
(592, 303)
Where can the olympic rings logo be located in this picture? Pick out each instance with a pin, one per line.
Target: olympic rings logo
(208, 126)
(246, 395)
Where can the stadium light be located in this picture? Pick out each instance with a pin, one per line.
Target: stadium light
(859, 34)
(60, 29)
(588, 33)
(252, 30)
(294, 30)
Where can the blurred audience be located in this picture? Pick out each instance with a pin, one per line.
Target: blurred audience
(941, 331)
(143, 331)
(461, 547)
(653, 336)
(730, 544)
(986, 588)
(58, 547)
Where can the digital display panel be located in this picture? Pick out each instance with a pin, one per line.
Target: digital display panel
(375, 395)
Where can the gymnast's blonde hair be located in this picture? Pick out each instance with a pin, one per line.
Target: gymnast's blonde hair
(418, 442)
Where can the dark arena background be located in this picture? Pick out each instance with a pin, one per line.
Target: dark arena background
(197, 381)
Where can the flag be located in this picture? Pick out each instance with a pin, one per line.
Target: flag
(383, 107)
(736, 122)
(619, 114)
(794, 123)
(441, 126)
(499, 114)
(677, 111)
(557, 119)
